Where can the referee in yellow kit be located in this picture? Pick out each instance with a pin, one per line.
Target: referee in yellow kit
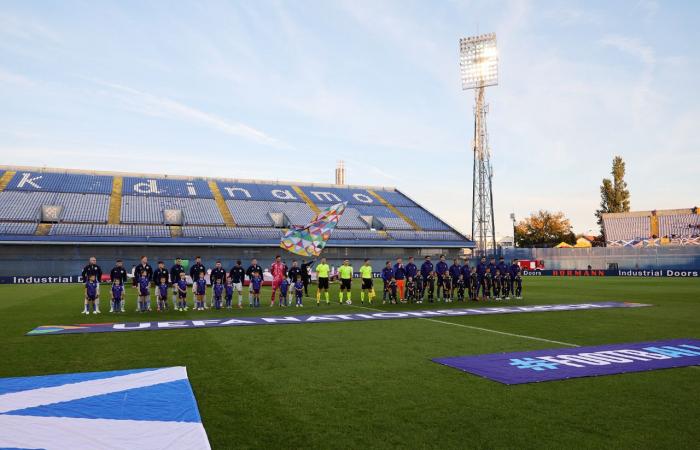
(345, 274)
(367, 285)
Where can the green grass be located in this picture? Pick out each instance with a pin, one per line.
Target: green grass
(372, 384)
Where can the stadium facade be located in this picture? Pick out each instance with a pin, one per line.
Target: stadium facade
(52, 220)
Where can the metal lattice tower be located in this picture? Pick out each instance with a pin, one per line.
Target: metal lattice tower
(483, 227)
(478, 62)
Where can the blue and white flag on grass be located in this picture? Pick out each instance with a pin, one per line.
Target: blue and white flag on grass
(125, 409)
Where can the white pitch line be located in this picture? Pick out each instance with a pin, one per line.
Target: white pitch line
(481, 329)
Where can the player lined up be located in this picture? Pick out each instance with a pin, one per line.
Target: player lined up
(402, 283)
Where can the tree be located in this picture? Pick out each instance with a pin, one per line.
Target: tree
(614, 195)
(544, 228)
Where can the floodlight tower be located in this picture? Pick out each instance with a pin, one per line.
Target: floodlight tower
(478, 62)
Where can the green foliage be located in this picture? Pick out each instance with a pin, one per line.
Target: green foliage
(614, 195)
(544, 229)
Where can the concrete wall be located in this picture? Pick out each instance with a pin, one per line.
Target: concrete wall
(44, 260)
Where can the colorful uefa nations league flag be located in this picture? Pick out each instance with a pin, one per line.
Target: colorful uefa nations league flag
(309, 240)
(560, 364)
(125, 409)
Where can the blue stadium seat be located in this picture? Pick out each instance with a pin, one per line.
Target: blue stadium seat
(256, 213)
(86, 199)
(200, 211)
(24, 206)
(627, 228)
(60, 182)
(16, 205)
(332, 195)
(423, 218)
(165, 187)
(258, 192)
(403, 235)
(679, 225)
(396, 198)
(17, 228)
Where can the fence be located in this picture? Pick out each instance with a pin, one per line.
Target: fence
(669, 257)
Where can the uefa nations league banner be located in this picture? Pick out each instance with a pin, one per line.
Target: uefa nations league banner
(316, 318)
(642, 273)
(561, 364)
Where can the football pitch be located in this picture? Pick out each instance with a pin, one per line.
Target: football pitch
(372, 384)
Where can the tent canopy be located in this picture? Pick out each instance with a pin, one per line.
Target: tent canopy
(583, 243)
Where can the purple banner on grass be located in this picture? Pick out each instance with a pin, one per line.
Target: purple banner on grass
(242, 321)
(561, 364)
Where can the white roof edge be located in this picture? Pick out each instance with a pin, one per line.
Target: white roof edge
(188, 178)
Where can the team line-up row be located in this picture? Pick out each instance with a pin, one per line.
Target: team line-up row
(402, 283)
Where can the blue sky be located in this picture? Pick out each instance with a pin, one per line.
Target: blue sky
(282, 90)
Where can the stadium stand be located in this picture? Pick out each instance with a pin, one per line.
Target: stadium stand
(658, 227)
(130, 208)
(26, 206)
(200, 211)
(423, 218)
(17, 228)
(679, 225)
(40, 181)
(634, 227)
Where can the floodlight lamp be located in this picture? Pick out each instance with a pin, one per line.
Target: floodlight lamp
(478, 61)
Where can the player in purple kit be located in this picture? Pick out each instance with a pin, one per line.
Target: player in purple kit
(441, 271)
(117, 293)
(516, 280)
(92, 295)
(299, 291)
(229, 292)
(218, 293)
(480, 273)
(454, 271)
(284, 291)
(162, 291)
(387, 276)
(200, 289)
(425, 270)
(182, 292)
(143, 285)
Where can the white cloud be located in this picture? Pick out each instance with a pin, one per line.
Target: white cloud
(154, 105)
(632, 46)
(15, 78)
(26, 28)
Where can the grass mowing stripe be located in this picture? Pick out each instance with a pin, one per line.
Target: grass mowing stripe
(501, 332)
(481, 329)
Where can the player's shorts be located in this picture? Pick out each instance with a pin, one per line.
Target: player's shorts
(201, 292)
(276, 284)
(238, 287)
(144, 293)
(182, 294)
(255, 291)
(91, 297)
(323, 283)
(345, 283)
(367, 283)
